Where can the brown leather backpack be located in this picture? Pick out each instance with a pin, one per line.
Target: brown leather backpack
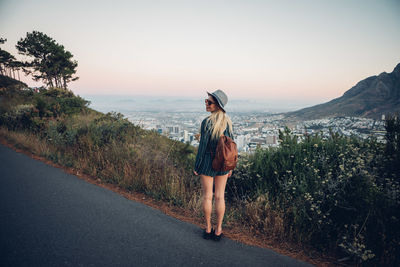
(226, 155)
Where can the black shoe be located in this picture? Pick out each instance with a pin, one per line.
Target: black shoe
(209, 235)
(217, 237)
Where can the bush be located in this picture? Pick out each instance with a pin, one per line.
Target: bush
(29, 110)
(58, 102)
(330, 192)
(111, 127)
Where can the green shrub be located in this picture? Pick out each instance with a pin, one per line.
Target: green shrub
(28, 110)
(111, 127)
(57, 102)
(330, 191)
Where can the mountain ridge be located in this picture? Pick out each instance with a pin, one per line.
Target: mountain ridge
(372, 97)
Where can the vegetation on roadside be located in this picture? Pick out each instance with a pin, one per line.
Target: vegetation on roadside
(338, 195)
(105, 145)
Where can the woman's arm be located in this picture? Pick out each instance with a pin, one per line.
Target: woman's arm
(202, 146)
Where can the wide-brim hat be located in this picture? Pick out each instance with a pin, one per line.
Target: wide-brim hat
(221, 98)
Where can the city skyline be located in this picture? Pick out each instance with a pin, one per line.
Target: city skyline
(304, 51)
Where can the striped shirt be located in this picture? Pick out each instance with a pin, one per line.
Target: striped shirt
(206, 150)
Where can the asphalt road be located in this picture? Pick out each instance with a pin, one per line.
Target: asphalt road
(51, 218)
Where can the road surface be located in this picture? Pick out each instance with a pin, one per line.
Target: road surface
(51, 218)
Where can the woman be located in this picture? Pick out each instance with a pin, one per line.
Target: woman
(212, 127)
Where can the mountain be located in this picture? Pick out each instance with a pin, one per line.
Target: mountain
(372, 97)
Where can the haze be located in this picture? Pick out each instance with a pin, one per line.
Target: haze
(281, 51)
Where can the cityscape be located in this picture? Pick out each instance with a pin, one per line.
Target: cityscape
(252, 130)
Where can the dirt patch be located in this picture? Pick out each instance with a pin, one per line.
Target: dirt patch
(232, 231)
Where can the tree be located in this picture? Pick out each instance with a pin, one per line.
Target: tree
(8, 63)
(5, 60)
(51, 63)
(15, 65)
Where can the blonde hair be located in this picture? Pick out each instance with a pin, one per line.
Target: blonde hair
(219, 120)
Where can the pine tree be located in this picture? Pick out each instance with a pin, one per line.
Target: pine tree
(8, 63)
(51, 63)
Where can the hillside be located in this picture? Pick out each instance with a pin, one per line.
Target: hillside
(372, 97)
(7, 82)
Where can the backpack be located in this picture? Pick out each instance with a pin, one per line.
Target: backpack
(226, 155)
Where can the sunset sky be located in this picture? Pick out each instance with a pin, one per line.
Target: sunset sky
(282, 50)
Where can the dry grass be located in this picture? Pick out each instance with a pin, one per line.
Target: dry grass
(260, 217)
(27, 141)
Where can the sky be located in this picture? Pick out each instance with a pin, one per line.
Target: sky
(283, 51)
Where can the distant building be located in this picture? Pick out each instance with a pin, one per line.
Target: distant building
(241, 142)
(250, 130)
(170, 129)
(185, 136)
(258, 141)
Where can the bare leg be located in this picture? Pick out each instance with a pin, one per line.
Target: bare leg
(220, 183)
(207, 186)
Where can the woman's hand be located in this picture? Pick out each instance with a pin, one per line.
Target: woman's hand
(195, 173)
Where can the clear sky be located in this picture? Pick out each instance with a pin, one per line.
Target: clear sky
(296, 50)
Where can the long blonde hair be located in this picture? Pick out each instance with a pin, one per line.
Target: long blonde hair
(219, 120)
